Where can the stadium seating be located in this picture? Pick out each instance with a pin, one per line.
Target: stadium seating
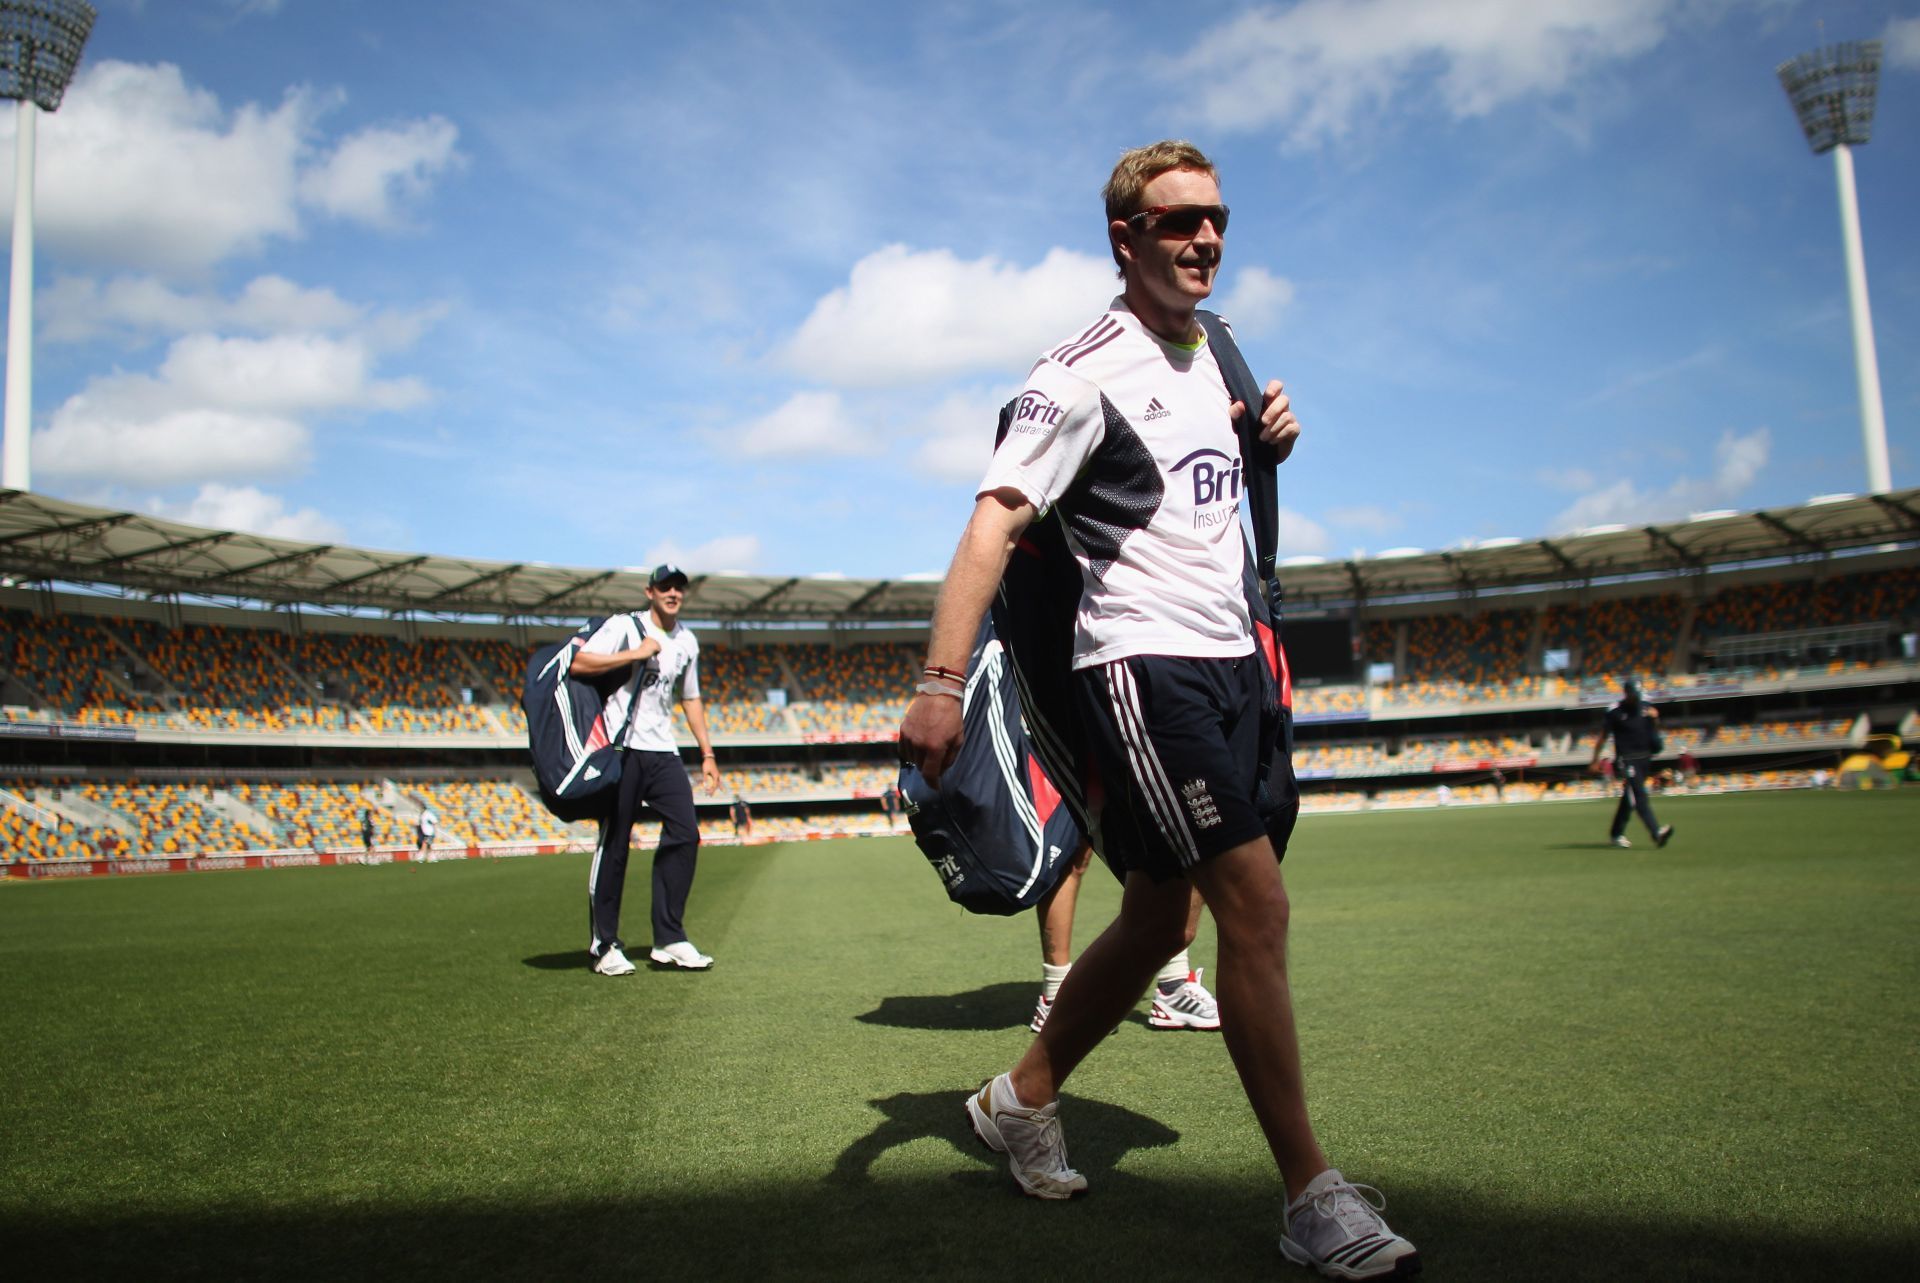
(1620, 637)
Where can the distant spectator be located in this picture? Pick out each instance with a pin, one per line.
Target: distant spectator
(742, 817)
(366, 827)
(890, 803)
(1499, 785)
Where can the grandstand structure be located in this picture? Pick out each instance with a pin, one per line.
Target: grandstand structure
(173, 696)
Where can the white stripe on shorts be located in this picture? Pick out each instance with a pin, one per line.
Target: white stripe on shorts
(1148, 775)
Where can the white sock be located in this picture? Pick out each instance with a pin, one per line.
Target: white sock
(1052, 976)
(1174, 974)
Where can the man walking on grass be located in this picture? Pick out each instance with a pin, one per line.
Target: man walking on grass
(665, 657)
(1111, 429)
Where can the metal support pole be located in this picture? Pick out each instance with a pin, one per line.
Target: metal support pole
(1873, 416)
(14, 469)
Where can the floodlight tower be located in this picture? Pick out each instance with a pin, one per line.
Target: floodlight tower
(40, 44)
(1832, 90)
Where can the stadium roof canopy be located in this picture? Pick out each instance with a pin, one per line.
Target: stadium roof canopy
(50, 541)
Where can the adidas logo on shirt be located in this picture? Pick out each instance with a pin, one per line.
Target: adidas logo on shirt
(1155, 411)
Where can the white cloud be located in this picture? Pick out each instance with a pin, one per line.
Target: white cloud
(1902, 40)
(118, 435)
(1738, 462)
(140, 168)
(1368, 518)
(376, 171)
(77, 309)
(1257, 299)
(1319, 69)
(215, 409)
(245, 508)
(1301, 535)
(807, 423)
(726, 554)
(909, 316)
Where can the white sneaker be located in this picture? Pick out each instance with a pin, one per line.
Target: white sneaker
(1622, 843)
(1188, 1007)
(612, 963)
(1335, 1228)
(1040, 1011)
(1030, 1138)
(682, 954)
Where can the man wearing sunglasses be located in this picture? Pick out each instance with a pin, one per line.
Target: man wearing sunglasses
(1127, 429)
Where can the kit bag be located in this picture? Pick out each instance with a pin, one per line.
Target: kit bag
(995, 830)
(576, 756)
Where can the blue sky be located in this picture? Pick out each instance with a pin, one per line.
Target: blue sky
(741, 285)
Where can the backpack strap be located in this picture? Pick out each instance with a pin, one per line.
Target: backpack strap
(1259, 461)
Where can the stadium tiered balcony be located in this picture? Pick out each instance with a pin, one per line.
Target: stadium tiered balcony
(171, 819)
(1784, 734)
(482, 811)
(1887, 597)
(863, 687)
(1618, 637)
(30, 830)
(1471, 649)
(1329, 702)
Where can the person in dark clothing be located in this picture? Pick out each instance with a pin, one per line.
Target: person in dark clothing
(890, 804)
(742, 816)
(1634, 727)
(366, 829)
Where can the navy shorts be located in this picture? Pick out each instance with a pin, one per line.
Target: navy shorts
(1178, 746)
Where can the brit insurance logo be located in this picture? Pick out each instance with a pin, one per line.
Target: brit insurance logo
(1034, 411)
(1155, 411)
(1215, 476)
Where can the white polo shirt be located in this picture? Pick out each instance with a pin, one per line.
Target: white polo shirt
(671, 675)
(1132, 438)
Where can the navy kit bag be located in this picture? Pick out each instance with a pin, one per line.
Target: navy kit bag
(996, 831)
(576, 756)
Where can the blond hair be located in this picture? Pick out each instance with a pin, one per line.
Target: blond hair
(1140, 166)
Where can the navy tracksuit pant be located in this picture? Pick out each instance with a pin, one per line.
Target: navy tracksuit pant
(1632, 773)
(659, 782)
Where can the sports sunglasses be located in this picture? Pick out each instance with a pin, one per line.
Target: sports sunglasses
(1179, 220)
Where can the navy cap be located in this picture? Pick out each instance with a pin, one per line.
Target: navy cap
(664, 575)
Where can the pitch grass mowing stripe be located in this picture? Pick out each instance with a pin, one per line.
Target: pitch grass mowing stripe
(1557, 1059)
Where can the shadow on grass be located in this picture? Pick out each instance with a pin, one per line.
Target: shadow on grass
(571, 960)
(1103, 1135)
(1000, 1006)
(1584, 846)
(967, 1225)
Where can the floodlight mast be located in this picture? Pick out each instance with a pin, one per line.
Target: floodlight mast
(40, 44)
(1832, 90)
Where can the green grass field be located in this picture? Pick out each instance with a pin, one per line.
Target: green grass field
(1557, 1059)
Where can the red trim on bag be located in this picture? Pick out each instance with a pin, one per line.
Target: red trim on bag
(1276, 662)
(1046, 798)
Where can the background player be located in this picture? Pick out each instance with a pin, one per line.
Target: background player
(1633, 725)
(1180, 1001)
